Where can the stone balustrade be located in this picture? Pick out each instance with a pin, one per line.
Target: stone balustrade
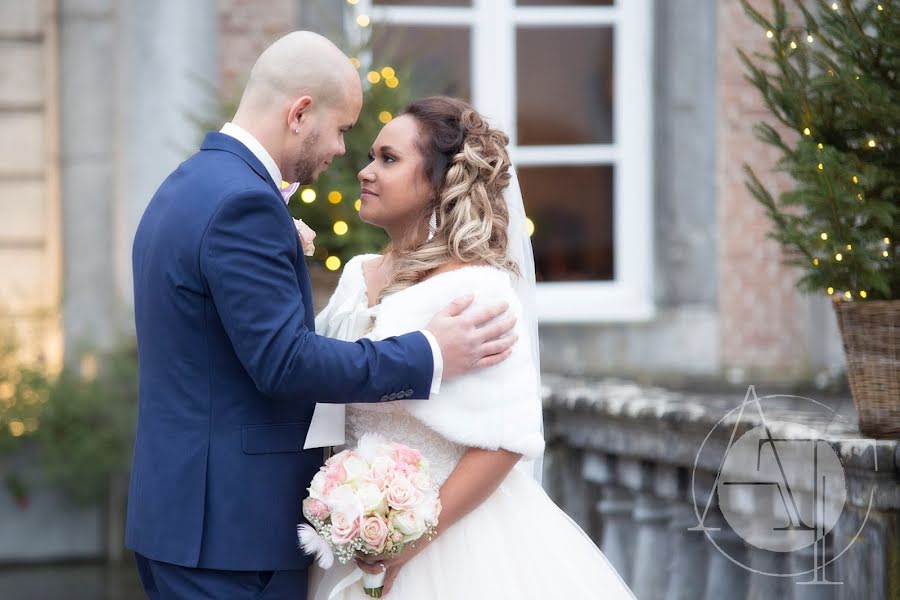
(644, 470)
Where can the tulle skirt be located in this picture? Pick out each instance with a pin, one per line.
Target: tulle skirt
(517, 545)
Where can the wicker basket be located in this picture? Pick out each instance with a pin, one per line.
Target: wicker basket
(871, 334)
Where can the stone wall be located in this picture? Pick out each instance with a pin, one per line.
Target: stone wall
(641, 469)
(29, 174)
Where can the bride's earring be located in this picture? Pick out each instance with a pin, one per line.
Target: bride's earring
(432, 225)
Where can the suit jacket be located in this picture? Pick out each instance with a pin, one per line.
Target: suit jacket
(231, 368)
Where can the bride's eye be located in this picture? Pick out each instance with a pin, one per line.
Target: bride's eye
(387, 158)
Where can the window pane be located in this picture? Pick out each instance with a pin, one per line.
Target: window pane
(572, 211)
(423, 2)
(565, 85)
(439, 57)
(565, 2)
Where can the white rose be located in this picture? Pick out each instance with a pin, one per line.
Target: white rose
(343, 499)
(428, 509)
(317, 486)
(357, 470)
(372, 499)
(409, 524)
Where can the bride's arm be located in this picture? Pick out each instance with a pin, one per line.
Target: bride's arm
(476, 476)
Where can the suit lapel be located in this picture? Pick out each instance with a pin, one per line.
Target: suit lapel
(219, 141)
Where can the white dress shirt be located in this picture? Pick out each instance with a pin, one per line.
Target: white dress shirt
(257, 149)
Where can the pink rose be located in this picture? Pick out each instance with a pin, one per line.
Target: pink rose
(315, 508)
(407, 455)
(401, 494)
(344, 527)
(374, 532)
(336, 472)
(382, 470)
(336, 458)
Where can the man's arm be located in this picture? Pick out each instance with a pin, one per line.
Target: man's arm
(246, 257)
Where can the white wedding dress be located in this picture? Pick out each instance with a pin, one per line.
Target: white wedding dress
(517, 544)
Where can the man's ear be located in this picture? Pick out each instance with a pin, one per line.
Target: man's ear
(301, 107)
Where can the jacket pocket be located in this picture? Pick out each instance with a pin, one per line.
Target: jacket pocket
(269, 439)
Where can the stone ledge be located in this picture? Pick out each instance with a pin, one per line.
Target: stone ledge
(668, 427)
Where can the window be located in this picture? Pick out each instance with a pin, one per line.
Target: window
(570, 81)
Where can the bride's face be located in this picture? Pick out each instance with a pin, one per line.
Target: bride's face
(394, 190)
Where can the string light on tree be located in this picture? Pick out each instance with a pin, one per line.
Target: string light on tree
(363, 20)
(308, 195)
(357, 205)
(848, 295)
(863, 294)
(806, 131)
(809, 39)
(335, 197)
(385, 117)
(770, 34)
(872, 144)
(373, 77)
(815, 262)
(830, 291)
(355, 62)
(332, 263)
(824, 235)
(341, 228)
(529, 226)
(839, 257)
(352, 2)
(388, 72)
(392, 82)
(793, 45)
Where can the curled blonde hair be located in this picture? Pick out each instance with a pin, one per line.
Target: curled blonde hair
(467, 165)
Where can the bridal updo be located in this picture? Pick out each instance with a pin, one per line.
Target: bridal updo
(467, 166)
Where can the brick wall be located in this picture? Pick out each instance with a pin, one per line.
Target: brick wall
(246, 28)
(762, 328)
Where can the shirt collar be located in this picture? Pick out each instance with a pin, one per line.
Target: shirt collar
(253, 145)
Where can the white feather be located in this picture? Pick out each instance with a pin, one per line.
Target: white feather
(312, 543)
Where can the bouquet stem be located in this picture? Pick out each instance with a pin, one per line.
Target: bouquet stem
(373, 584)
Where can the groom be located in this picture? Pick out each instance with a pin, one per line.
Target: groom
(230, 366)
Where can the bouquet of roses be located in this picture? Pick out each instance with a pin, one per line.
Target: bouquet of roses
(369, 501)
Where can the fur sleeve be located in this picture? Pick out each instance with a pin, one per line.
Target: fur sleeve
(497, 407)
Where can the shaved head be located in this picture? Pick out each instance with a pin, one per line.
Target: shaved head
(302, 63)
(303, 94)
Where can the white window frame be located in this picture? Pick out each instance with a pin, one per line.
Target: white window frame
(493, 24)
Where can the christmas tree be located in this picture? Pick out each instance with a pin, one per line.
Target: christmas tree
(832, 85)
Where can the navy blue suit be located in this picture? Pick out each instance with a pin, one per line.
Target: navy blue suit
(231, 368)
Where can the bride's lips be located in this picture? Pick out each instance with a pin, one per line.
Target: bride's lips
(367, 193)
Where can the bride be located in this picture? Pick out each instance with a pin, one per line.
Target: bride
(441, 185)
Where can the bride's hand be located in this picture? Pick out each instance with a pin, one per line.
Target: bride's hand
(392, 564)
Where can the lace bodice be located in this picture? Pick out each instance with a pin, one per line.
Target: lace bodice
(349, 317)
(392, 422)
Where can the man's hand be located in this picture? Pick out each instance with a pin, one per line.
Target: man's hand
(472, 341)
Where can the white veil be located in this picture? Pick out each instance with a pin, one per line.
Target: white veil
(519, 249)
